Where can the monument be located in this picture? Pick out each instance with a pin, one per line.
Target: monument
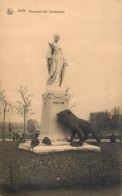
(55, 99)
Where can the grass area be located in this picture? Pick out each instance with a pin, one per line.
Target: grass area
(25, 170)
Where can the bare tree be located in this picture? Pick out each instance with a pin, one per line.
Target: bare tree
(3, 105)
(2, 99)
(69, 97)
(115, 117)
(4, 108)
(24, 106)
(2, 96)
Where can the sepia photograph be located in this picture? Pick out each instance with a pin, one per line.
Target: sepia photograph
(60, 98)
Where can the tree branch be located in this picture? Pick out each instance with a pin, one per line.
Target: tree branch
(74, 105)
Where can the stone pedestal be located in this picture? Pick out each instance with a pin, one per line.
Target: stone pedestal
(53, 103)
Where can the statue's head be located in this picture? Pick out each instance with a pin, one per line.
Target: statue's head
(56, 37)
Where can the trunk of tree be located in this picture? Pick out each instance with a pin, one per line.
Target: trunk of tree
(3, 131)
(24, 125)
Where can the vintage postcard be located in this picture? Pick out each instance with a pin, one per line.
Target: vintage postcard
(60, 97)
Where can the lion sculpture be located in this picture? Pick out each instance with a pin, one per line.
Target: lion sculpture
(78, 126)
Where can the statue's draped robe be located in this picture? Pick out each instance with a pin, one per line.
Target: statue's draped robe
(57, 68)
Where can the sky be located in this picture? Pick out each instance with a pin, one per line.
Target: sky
(90, 34)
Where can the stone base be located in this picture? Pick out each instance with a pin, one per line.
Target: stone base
(57, 147)
(53, 103)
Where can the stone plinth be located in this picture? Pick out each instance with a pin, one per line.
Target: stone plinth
(53, 103)
(58, 147)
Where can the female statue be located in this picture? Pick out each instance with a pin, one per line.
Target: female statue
(56, 64)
